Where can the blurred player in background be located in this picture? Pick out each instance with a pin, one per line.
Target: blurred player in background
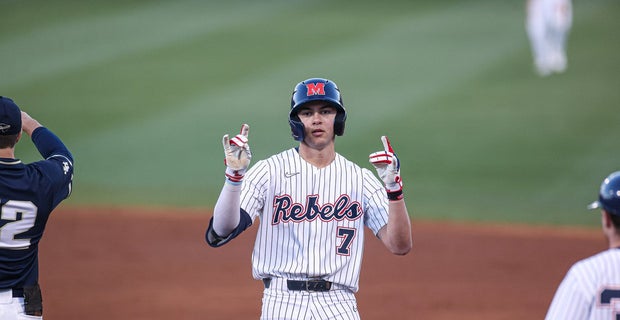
(313, 205)
(591, 288)
(28, 194)
(548, 24)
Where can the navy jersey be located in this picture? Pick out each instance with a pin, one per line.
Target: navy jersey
(28, 194)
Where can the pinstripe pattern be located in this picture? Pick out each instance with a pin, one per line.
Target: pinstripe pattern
(590, 290)
(311, 226)
(307, 249)
(279, 303)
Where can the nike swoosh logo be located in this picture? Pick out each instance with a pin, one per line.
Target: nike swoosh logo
(290, 174)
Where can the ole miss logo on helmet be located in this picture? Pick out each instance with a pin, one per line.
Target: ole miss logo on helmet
(313, 89)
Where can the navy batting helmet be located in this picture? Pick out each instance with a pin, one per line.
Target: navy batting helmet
(609, 195)
(316, 89)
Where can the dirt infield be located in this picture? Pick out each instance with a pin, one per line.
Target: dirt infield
(128, 263)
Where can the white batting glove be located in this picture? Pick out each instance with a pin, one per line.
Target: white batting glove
(237, 154)
(388, 167)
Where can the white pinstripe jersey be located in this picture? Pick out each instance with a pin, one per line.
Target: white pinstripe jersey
(312, 220)
(590, 290)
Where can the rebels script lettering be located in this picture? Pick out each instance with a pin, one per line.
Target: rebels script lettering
(285, 210)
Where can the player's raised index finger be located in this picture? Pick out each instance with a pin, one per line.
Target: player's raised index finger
(386, 144)
(245, 129)
(225, 141)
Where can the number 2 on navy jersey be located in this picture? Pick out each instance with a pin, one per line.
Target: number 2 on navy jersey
(20, 217)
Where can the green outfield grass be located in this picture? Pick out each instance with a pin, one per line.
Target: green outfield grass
(142, 92)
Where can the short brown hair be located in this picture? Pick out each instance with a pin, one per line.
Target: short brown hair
(8, 141)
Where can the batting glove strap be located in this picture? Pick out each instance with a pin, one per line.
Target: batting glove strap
(395, 195)
(234, 176)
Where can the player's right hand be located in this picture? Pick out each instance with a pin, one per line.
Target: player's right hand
(237, 154)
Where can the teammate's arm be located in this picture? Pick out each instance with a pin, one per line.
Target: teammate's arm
(396, 234)
(29, 124)
(58, 161)
(45, 140)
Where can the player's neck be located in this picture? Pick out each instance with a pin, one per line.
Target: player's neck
(8, 153)
(319, 158)
(614, 242)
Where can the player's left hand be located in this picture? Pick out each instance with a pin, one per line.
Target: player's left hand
(237, 155)
(388, 167)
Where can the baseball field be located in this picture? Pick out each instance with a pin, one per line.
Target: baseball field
(498, 163)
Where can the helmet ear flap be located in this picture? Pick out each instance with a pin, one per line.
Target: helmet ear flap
(339, 122)
(297, 128)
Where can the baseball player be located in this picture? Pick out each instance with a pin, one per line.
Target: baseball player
(312, 204)
(28, 194)
(591, 288)
(548, 24)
